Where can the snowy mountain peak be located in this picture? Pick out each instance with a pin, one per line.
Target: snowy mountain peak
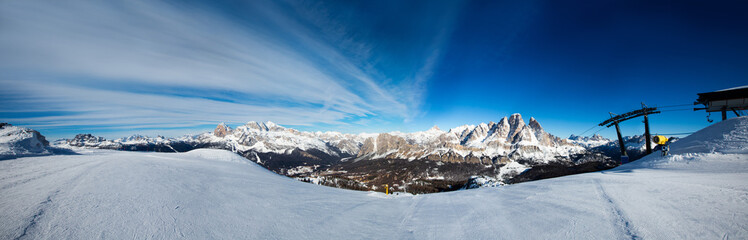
(270, 124)
(524, 136)
(597, 137)
(435, 128)
(20, 141)
(459, 130)
(589, 142)
(264, 126)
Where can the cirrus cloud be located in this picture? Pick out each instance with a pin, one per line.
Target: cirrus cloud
(150, 64)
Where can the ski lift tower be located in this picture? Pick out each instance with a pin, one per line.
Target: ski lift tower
(615, 119)
(732, 99)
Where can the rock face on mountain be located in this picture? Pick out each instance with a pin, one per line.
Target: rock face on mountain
(20, 141)
(86, 140)
(221, 130)
(491, 143)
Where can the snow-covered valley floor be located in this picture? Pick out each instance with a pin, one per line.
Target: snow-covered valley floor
(700, 192)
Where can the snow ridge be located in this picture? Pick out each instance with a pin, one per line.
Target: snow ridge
(20, 142)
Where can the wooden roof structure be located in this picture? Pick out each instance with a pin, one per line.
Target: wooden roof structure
(732, 99)
(724, 100)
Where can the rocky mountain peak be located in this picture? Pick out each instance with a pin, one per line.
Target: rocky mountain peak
(87, 137)
(221, 130)
(535, 125)
(515, 125)
(525, 134)
(504, 121)
(516, 120)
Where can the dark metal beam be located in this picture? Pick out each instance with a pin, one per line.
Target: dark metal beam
(621, 144)
(628, 115)
(646, 134)
(632, 116)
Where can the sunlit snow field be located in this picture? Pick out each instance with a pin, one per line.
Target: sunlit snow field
(699, 192)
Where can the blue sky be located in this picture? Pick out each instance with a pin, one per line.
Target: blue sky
(115, 68)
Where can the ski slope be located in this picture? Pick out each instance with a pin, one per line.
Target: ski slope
(699, 192)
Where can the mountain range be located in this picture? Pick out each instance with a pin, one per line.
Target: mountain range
(507, 151)
(431, 160)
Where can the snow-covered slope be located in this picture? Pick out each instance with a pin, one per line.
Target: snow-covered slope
(20, 141)
(730, 136)
(699, 192)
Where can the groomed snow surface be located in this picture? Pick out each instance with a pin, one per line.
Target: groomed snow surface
(699, 192)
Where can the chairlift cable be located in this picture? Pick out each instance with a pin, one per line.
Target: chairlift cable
(598, 131)
(585, 131)
(674, 133)
(672, 110)
(681, 105)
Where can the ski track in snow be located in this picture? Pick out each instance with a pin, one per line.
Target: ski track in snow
(44, 206)
(409, 218)
(35, 218)
(618, 216)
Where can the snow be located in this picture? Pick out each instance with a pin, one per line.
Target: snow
(510, 169)
(729, 136)
(301, 169)
(20, 141)
(699, 192)
(733, 88)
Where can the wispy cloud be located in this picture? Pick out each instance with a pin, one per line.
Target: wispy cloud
(144, 64)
